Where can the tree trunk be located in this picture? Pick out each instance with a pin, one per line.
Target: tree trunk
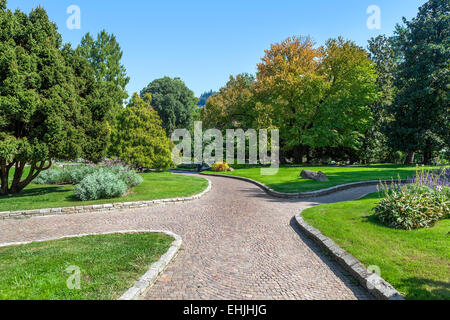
(410, 158)
(298, 155)
(427, 157)
(17, 184)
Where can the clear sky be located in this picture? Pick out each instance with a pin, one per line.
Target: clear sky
(205, 41)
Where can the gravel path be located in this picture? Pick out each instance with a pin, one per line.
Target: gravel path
(238, 243)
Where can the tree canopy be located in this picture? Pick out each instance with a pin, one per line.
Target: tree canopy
(105, 54)
(421, 112)
(174, 102)
(140, 140)
(50, 104)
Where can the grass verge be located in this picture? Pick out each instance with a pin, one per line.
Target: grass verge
(109, 265)
(288, 178)
(157, 185)
(415, 262)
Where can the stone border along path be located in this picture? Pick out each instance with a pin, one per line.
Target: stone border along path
(302, 195)
(238, 243)
(141, 286)
(96, 208)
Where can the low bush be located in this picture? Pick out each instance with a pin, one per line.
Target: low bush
(53, 176)
(102, 184)
(93, 182)
(419, 204)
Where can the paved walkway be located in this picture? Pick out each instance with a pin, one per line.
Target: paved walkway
(238, 243)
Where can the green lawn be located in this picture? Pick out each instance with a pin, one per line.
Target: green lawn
(109, 265)
(158, 185)
(288, 178)
(416, 263)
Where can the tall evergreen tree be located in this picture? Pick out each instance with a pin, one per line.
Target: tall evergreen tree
(140, 140)
(105, 55)
(50, 104)
(421, 109)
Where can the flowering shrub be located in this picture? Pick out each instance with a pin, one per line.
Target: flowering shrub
(417, 205)
(220, 167)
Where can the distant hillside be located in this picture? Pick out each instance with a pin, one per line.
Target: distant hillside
(204, 97)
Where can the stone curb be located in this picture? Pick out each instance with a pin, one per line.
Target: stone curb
(144, 284)
(302, 195)
(376, 285)
(97, 208)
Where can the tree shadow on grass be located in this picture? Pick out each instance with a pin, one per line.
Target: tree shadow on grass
(38, 191)
(426, 289)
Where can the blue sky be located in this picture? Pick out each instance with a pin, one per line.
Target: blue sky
(204, 42)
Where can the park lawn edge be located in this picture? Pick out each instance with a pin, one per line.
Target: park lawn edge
(404, 261)
(175, 191)
(296, 185)
(142, 283)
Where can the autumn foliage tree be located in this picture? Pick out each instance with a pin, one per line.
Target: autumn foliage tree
(50, 105)
(317, 96)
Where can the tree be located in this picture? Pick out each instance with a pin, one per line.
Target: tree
(233, 106)
(105, 54)
(140, 140)
(421, 109)
(374, 147)
(318, 97)
(50, 106)
(174, 102)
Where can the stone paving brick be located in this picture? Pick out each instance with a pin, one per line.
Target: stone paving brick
(238, 243)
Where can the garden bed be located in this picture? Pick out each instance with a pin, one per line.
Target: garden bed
(108, 264)
(415, 262)
(157, 185)
(288, 178)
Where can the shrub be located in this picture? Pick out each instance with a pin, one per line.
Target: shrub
(419, 204)
(53, 176)
(93, 182)
(220, 167)
(130, 177)
(102, 184)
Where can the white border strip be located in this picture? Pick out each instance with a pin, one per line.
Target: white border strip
(143, 285)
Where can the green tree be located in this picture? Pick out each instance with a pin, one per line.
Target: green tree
(140, 140)
(318, 97)
(233, 106)
(50, 106)
(421, 109)
(174, 102)
(105, 55)
(374, 147)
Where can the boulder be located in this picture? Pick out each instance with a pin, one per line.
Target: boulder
(230, 169)
(321, 177)
(311, 175)
(308, 174)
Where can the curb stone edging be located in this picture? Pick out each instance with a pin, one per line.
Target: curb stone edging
(22, 214)
(302, 195)
(143, 285)
(376, 285)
